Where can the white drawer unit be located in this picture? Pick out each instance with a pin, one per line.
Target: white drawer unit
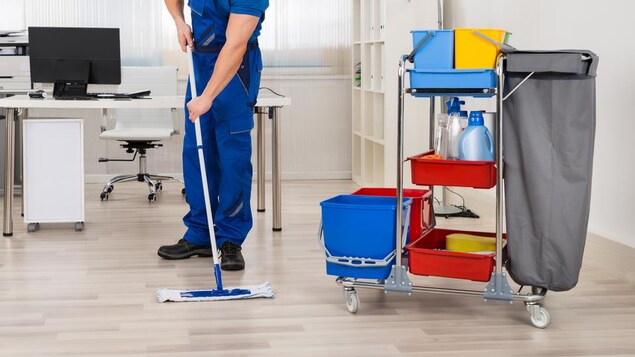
(53, 162)
(15, 72)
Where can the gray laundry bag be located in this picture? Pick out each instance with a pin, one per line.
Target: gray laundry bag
(548, 138)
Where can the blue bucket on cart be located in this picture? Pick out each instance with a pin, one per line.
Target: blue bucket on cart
(437, 52)
(358, 235)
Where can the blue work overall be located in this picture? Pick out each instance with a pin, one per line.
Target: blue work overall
(226, 130)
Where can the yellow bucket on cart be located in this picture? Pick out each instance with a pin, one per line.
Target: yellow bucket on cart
(472, 51)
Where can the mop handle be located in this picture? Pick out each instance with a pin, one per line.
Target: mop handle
(201, 160)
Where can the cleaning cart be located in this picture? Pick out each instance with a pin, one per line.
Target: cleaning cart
(521, 78)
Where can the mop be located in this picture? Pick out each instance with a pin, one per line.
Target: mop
(219, 293)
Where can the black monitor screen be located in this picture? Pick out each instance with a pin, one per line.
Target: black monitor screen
(88, 55)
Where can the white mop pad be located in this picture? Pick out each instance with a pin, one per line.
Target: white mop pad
(262, 291)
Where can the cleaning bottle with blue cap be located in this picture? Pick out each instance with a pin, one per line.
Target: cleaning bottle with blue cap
(476, 142)
(454, 127)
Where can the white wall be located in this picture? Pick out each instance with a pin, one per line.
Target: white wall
(315, 134)
(607, 28)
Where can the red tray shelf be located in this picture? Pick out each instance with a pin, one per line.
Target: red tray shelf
(426, 257)
(462, 173)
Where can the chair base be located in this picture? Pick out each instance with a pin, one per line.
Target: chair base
(154, 183)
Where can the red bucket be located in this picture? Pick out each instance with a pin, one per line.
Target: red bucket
(420, 212)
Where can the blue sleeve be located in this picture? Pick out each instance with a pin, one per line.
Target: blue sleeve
(249, 7)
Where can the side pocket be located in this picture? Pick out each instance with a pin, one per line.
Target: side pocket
(255, 80)
(244, 72)
(206, 38)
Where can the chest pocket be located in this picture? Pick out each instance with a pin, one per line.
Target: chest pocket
(198, 6)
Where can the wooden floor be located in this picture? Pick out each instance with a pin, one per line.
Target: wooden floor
(91, 293)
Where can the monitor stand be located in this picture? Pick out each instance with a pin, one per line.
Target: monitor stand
(69, 90)
(72, 79)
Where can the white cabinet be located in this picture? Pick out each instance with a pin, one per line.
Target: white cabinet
(53, 160)
(381, 34)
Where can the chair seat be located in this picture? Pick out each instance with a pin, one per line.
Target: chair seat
(138, 134)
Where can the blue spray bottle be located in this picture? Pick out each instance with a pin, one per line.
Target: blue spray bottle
(476, 141)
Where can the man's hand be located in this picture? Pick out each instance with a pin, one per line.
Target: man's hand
(184, 35)
(199, 106)
(183, 30)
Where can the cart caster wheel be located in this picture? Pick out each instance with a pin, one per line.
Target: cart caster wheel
(79, 226)
(104, 196)
(539, 316)
(158, 186)
(110, 188)
(352, 301)
(32, 227)
(152, 197)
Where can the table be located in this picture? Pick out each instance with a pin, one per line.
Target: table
(18, 106)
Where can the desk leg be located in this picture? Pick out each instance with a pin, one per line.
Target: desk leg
(275, 171)
(260, 148)
(19, 148)
(9, 166)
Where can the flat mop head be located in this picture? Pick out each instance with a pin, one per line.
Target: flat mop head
(250, 292)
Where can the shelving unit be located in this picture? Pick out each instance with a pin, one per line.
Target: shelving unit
(371, 107)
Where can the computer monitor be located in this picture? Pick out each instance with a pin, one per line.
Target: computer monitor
(73, 57)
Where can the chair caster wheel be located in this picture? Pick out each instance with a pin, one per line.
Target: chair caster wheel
(79, 226)
(110, 188)
(158, 186)
(152, 197)
(104, 196)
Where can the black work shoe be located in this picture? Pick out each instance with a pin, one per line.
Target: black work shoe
(231, 257)
(183, 250)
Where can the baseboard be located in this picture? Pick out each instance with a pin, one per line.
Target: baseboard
(104, 178)
(317, 175)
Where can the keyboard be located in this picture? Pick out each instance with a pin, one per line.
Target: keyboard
(133, 95)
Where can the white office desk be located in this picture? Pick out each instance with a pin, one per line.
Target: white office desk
(17, 107)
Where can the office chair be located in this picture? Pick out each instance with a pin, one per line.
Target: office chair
(143, 130)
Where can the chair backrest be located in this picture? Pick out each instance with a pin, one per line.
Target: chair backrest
(162, 81)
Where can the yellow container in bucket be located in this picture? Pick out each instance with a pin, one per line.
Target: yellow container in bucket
(472, 51)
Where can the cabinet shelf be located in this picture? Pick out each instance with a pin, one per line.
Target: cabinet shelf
(375, 140)
(374, 21)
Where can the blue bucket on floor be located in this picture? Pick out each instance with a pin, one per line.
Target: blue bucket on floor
(358, 235)
(437, 52)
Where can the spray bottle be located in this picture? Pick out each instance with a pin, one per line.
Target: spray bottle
(454, 127)
(441, 136)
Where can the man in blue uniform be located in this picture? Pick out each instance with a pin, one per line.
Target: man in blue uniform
(227, 63)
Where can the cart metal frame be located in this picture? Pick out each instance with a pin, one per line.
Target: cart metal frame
(398, 281)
